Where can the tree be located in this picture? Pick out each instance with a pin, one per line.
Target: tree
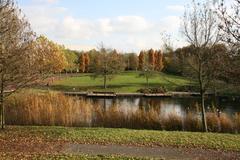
(50, 55)
(93, 56)
(141, 60)
(131, 61)
(159, 61)
(23, 60)
(87, 62)
(230, 33)
(200, 27)
(72, 60)
(151, 57)
(147, 72)
(230, 22)
(82, 61)
(108, 63)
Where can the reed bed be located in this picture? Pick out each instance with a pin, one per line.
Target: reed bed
(55, 109)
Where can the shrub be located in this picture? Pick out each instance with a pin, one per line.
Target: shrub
(187, 88)
(153, 90)
(213, 122)
(47, 109)
(237, 122)
(227, 125)
(173, 122)
(192, 122)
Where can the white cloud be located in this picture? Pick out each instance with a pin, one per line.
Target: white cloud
(80, 47)
(170, 23)
(45, 1)
(176, 8)
(125, 33)
(131, 24)
(75, 28)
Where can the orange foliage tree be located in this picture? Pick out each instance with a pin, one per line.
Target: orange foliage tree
(86, 61)
(151, 57)
(141, 60)
(82, 66)
(159, 61)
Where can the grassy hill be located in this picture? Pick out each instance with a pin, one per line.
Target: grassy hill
(124, 82)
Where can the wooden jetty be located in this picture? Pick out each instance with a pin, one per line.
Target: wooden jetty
(113, 94)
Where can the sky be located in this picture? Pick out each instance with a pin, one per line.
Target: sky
(126, 25)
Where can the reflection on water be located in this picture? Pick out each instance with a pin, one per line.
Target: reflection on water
(166, 105)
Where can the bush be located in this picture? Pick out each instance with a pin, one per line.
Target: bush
(173, 122)
(192, 122)
(153, 90)
(213, 122)
(226, 123)
(52, 109)
(187, 89)
(237, 122)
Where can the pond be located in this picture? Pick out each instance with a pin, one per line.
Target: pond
(165, 113)
(168, 104)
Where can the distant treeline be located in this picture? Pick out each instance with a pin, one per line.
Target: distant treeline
(171, 61)
(85, 62)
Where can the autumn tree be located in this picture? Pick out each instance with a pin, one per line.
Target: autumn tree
(93, 56)
(230, 21)
(108, 64)
(141, 60)
(159, 61)
(87, 62)
(200, 27)
(51, 55)
(230, 33)
(82, 61)
(147, 65)
(131, 61)
(72, 60)
(23, 60)
(148, 72)
(151, 57)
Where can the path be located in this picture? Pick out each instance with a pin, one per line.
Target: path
(150, 152)
(26, 146)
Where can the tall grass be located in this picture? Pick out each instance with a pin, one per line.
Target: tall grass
(56, 109)
(47, 109)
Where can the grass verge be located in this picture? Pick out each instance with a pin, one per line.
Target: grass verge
(68, 157)
(226, 142)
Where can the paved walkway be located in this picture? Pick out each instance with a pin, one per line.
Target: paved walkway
(150, 152)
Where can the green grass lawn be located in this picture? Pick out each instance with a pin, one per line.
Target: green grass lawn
(124, 82)
(126, 136)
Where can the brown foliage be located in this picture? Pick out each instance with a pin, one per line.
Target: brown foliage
(56, 109)
(226, 123)
(173, 122)
(192, 122)
(141, 60)
(159, 61)
(87, 61)
(82, 62)
(151, 57)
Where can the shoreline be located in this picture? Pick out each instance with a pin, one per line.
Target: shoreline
(154, 95)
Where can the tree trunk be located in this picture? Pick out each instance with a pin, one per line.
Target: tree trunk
(202, 94)
(2, 115)
(2, 106)
(105, 82)
(204, 121)
(147, 82)
(215, 97)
